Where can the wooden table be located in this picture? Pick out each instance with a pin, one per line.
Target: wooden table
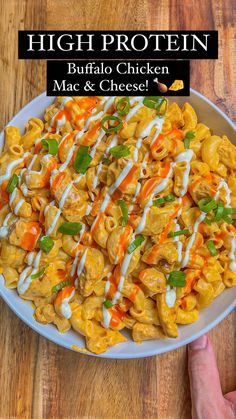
(37, 378)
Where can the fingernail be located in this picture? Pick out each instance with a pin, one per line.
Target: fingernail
(199, 343)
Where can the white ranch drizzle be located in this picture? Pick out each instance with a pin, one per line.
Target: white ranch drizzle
(4, 230)
(11, 166)
(106, 317)
(25, 279)
(185, 157)
(96, 180)
(178, 241)
(133, 111)
(65, 306)
(18, 206)
(192, 239)
(80, 267)
(64, 195)
(54, 223)
(170, 296)
(232, 257)
(69, 155)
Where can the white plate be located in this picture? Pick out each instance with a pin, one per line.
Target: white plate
(210, 317)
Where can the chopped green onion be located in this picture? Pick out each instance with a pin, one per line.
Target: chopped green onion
(155, 102)
(70, 228)
(159, 201)
(177, 279)
(227, 219)
(82, 159)
(123, 106)
(207, 204)
(61, 285)
(124, 211)
(106, 161)
(38, 274)
(111, 129)
(169, 198)
(119, 151)
(207, 221)
(188, 137)
(136, 243)
(108, 303)
(51, 145)
(46, 243)
(211, 248)
(179, 233)
(12, 183)
(229, 211)
(219, 212)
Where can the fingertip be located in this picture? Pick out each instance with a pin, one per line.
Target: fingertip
(199, 343)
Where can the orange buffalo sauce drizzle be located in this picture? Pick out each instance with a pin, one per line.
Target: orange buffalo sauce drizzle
(150, 184)
(177, 135)
(64, 293)
(99, 220)
(128, 179)
(116, 316)
(157, 142)
(37, 147)
(123, 242)
(51, 166)
(30, 237)
(4, 195)
(134, 293)
(147, 188)
(59, 177)
(91, 133)
(64, 143)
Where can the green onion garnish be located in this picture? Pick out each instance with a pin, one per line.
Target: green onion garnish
(229, 211)
(178, 233)
(207, 221)
(107, 303)
(70, 228)
(169, 198)
(155, 102)
(106, 161)
(12, 183)
(159, 201)
(219, 212)
(211, 248)
(51, 145)
(188, 137)
(207, 204)
(123, 106)
(38, 274)
(111, 129)
(119, 151)
(61, 285)
(82, 160)
(124, 211)
(136, 243)
(227, 219)
(46, 243)
(177, 279)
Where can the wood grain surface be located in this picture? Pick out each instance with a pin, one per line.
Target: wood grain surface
(37, 378)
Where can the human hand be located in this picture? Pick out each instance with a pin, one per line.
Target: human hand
(208, 401)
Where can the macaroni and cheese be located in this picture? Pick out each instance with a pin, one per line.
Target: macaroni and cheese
(117, 212)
